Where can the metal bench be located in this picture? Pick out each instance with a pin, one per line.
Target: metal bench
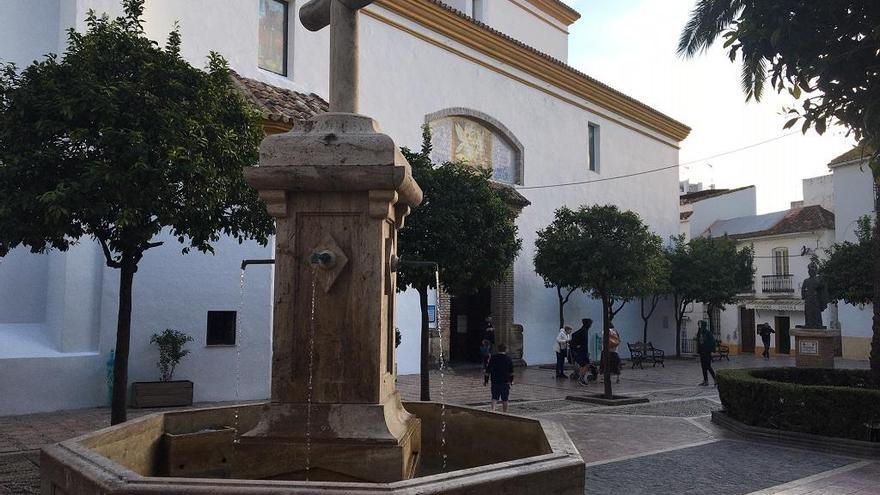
(721, 352)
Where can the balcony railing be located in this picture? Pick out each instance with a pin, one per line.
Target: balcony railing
(776, 284)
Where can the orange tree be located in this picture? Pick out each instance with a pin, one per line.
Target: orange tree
(120, 140)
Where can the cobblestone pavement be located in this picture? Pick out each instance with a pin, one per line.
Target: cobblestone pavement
(666, 446)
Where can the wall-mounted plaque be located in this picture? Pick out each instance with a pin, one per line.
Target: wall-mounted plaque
(808, 347)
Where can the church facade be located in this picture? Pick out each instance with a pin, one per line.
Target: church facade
(489, 78)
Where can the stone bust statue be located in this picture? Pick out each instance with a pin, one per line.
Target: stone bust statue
(815, 295)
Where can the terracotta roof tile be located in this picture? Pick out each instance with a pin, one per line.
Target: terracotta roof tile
(795, 220)
(858, 153)
(279, 104)
(686, 199)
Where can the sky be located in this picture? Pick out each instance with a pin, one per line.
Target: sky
(631, 45)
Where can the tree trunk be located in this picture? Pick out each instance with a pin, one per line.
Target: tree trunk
(606, 333)
(425, 367)
(118, 413)
(710, 308)
(875, 340)
(679, 315)
(561, 307)
(645, 320)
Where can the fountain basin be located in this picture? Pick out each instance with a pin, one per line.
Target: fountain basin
(486, 453)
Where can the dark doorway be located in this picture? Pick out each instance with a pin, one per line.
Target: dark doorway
(467, 325)
(747, 329)
(783, 337)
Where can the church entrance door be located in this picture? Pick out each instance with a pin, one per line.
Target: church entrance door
(783, 337)
(747, 329)
(467, 325)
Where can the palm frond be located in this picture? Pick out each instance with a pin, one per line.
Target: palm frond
(708, 20)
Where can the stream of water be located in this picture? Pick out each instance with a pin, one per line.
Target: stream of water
(443, 453)
(311, 374)
(238, 344)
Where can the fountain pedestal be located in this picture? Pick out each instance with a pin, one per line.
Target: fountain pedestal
(339, 190)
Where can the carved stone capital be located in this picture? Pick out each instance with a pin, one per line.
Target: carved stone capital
(381, 203)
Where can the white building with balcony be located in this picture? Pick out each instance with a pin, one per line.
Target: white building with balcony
(783, 243)
(496, 69)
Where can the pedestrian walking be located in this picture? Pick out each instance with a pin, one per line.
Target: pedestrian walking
(560, 347)
(705, 348)
(764, 330)
(611, 358)
(581, 353)
(485, 353)
(489, 333)
(500, 373)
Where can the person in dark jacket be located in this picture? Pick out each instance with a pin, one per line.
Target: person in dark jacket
(581, 353)
(500, 373)
(764, 330)
(705, 347)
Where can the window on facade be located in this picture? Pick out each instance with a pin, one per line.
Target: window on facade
(780, 261)
(594, 147)
(273, 36)
(221, 328)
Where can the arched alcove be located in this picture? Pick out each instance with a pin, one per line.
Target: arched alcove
(472, 137)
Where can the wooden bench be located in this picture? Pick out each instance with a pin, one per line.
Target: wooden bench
(721, 352)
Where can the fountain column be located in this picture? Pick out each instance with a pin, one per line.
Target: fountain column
(339, 190)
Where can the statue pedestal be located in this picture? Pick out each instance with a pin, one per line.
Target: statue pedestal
(814, 348)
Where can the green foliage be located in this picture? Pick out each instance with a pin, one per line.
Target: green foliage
(171, 351)
(613, 252)
(554, 252)
(824, 54)
(835, 403)
(463, 224)
(121, 138)
(719, 271)
(849, 268)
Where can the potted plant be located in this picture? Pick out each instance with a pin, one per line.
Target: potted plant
(166, 392)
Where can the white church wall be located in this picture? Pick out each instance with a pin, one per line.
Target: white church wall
(28, 30)
(40, 384)
(23, 283)
(172, 290)
(526, 23)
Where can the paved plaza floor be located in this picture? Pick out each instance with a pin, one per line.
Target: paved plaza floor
(667, 446)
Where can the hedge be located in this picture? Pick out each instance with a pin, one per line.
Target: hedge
(834, 403)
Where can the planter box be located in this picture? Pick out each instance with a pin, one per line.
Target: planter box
(162, 394)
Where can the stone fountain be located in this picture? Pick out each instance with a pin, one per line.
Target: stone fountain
(339, 190)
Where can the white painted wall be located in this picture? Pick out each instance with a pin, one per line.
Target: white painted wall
(819, 191)
(740, 203)
(526, 23)
(23, 279)
(853, 198)
(817, 241)
(28, 30)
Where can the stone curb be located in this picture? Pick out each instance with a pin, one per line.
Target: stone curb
(840, 446)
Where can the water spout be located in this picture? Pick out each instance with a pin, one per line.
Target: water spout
(245, 263)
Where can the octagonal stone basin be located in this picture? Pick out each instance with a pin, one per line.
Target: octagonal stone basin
(193, 452)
